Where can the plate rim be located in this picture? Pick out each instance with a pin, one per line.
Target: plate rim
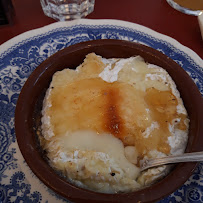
(78, 46)
(12, 43)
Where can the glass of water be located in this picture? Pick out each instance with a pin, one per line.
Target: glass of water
(191, 7)
(62, 10)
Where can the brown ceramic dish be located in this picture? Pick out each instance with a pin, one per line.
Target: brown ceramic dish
(29, 105)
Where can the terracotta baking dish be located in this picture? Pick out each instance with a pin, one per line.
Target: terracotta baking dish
(28, 113)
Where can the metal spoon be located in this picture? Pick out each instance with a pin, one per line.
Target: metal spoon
(186, 157)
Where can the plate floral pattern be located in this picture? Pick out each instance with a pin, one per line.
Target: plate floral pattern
(22, 54)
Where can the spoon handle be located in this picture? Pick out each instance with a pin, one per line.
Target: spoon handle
(186, 157)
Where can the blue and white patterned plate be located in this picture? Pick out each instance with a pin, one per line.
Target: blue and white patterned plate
(22, 54)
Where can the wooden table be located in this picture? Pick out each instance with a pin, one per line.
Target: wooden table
(156, 14)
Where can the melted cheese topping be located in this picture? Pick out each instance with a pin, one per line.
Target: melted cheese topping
(123, 108)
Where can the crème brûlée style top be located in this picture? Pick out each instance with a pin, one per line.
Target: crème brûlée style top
(101, 119)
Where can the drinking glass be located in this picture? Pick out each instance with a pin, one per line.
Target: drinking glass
(62, 10)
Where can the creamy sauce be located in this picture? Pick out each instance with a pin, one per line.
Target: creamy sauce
(91, 141)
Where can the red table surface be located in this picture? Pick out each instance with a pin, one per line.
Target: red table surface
(154, 14)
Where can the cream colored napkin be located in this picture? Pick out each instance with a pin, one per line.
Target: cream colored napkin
(200, 19)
